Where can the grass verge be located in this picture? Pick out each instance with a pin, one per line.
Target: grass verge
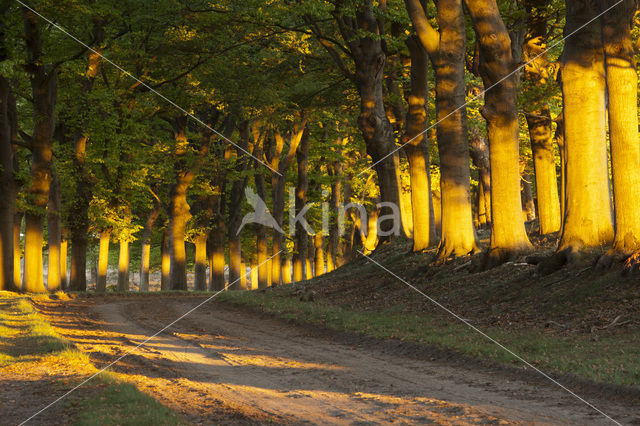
(30, 348)
(609, 359)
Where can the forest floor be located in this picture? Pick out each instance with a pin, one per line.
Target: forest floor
(356, 346)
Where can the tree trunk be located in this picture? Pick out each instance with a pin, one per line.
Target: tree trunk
(457, 234)
(165, 279)
(145, 253)
(540, 134)
(622, 86)
(559, 136)
(235, 213)
(244, 282)
(286, 271)
(216, 255)
(7, 188)
(200, 280)
(178, 218)
(54, 231)
(528, 206)
(17, 251)
(309, 261)
(103, 261)
(123, 267)
(588, 221)
(44, 90)
(508, 234)
(480, 157)
(417, 154)
(538, 117)
(301, 244)
(64, 282)
(319, 254)
(261, 231)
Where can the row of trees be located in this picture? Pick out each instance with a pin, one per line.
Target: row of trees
(119, 124)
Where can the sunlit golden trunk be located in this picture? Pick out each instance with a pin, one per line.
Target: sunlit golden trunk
(54, 230)
(216, 255)
(244, 282)
(103, 261)
(44, 90)
(123, 267)
(178, 219)
(200, 275)
(319, 254)
(235, 264)
(33, 281)
(286, 271)
(508, 234)
(588, 221)
(541, 137)
(165, 263)
(64, 245)
(261, 232)
(301, 237)
(145, 252)
(417, 154)
(254, 275)
(622, 86)
(538, 117)
(311, 254)
(457, 233)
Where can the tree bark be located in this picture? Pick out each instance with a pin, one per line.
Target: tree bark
(145, 253)
(123, 266)
(286, 271)
(319, 254)
(200, 279)
(44, 90)
(103, 261)
(64, 246)
(622, 87)
(369, 57)
(538, 117)
(446, 48)
(301, 236)
(528, 206)
(17, 251)
(79, 216)
(235, 212)
(588, 221)
(165, 263)
(417, 154)
(7, 187)
(216, 254)
(278, 182)
(508, 234)
(54, 230)
(540, 134)
(261, 231)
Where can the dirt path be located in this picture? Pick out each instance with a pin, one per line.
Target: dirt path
(221, 364)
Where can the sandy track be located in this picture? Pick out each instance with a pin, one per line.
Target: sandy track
(223, 364)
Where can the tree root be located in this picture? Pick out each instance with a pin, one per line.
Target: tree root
(492, 258)
(550, 264)
(609, 259)
(632, 264)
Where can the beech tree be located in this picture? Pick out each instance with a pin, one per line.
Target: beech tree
(588, 216)
(508, 234)
(446, 49)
